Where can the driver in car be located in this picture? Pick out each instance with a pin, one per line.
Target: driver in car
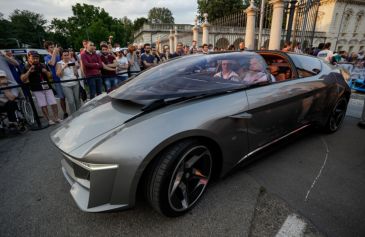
(227, 73)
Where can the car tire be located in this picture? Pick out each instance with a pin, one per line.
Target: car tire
(178, 177)
(336, 116)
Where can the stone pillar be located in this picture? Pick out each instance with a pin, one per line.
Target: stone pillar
(171, 41)
(175, 39)
(250, 26)
(276, 24)
(205, 27)
(196, 30)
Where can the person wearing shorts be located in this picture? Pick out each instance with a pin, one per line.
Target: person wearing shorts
(37, 75)
(51, 60)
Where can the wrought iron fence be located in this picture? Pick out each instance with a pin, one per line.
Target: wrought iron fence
(298, 25)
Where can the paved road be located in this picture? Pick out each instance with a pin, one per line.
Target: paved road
(320, 177)
(334, 164)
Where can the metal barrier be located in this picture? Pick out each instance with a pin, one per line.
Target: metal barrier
(29, 97)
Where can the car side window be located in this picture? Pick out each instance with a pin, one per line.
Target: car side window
(306, 66)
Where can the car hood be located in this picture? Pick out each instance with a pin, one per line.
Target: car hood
(92, 120)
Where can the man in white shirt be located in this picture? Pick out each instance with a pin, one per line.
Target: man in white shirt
(326, 54)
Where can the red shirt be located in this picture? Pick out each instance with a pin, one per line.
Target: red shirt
(107, 59)
(91, 63)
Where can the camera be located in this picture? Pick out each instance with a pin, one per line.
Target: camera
(71, 64)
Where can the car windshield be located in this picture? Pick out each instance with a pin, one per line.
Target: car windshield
(196, 75)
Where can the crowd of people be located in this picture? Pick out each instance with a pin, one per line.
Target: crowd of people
(106, 68)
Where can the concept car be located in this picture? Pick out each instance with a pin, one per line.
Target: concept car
(171, 129)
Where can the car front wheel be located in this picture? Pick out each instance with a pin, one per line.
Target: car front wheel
(179, 177)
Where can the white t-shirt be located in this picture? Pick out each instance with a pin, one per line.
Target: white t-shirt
(231, 76)
(122, 61)
(326, 55)
(67, 74)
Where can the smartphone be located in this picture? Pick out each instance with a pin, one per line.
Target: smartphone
(71, 64)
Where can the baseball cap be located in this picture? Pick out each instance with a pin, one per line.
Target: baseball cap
(2, 73)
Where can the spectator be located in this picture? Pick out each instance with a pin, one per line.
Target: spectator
(318, 49)
(297, 48)
(15, 65)
(148, 60)
(4, 60)
(51, 60)
(165, 53)
(66, 70)
(193, 46)
(133, 61)
(122, 65)
(326, 54)
(205, 48)
(156, 54)
(186, 49)
(37, 75)
(7, 100)
(352, 58)
(82, 50)
(179, 50)
(241, 46)
(287, 47)
(92, 68)
(231, 48)
(109, 68)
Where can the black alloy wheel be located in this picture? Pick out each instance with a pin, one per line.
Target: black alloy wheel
(337, 115)
(179, 177)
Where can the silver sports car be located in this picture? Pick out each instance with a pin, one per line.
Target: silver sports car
(171, 129)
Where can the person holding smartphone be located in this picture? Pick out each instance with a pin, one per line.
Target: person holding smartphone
(36, 74)
(51, 60)
(66, 70)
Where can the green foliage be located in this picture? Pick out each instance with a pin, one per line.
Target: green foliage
(161, 14)
(218, 8)
(87, 22)
(24, 26)
(138, 23)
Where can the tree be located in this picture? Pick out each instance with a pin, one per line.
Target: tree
(28, 27)
(138, 23)
(160, 15)
(6, 34)
(90, 22)
(218, 8)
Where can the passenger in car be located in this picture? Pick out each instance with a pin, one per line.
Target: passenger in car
(227, 73)
(256, 73)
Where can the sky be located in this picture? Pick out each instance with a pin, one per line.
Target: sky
(183, 11)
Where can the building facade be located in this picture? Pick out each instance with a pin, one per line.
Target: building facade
(341, 22)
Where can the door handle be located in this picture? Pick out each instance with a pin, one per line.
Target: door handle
(243, 115)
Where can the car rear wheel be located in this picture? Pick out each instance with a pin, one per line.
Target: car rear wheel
(337, 116)
(179, 177)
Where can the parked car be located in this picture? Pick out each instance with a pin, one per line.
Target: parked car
(172, 128)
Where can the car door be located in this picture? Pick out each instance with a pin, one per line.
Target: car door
(279, 108)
